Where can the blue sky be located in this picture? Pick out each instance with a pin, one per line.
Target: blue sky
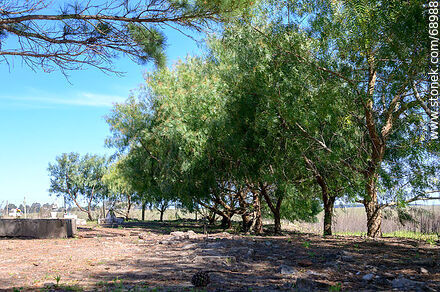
(43, 115)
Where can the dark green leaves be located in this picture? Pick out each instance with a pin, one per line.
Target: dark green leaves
(151, 41)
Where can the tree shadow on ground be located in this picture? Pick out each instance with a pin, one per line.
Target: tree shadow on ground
(166, 227)
(336, 259)
(326, 262)
(257, 262)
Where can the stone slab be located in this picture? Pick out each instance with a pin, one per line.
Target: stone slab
(37, 228)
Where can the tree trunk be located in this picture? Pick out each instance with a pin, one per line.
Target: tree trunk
(258, 222)
(276, 210)
(378, 142)
(81, 208)
(277, 219)
(226, 216)
(127, 214)
(144, 205)
(103, 208)
(374, 219)
(327, 198)
(244, 207)
(246, 222)
(89, 209)
(329, 202)
(373, 210)
(211, 218)
(226, 222)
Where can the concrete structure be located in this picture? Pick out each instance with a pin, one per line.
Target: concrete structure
(37, 228)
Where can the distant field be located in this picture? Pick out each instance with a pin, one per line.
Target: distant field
(353, 221)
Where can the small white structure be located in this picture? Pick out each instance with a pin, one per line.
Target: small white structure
(15, 213)
(53, 213)
(110, 219)
(70, 216)
(79, 222)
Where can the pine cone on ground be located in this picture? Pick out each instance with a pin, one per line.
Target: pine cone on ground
(200, 279)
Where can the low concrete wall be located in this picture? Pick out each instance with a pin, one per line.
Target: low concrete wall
(37, 228)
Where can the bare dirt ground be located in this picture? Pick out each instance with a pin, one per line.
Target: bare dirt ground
(148, 258)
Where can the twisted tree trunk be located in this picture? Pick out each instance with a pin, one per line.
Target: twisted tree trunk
(276, 209)
(327, 198)
(226, 214)
(258, 222)
(226, 222)
(211, 218)
(244, 210)
(329, 203)
(373, 209)
(378, 142)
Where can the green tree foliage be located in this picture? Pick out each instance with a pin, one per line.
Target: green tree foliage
(79, 179)
(162, 134)
(379, 50)
(85, 33)
(275, 103)
(119, 188)
(328, 103)
(223, 156)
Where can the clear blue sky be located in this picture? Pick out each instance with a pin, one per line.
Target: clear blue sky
(43, 115)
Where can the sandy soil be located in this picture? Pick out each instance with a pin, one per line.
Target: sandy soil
(140, 257)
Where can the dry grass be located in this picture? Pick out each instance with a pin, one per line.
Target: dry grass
(353, 221)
